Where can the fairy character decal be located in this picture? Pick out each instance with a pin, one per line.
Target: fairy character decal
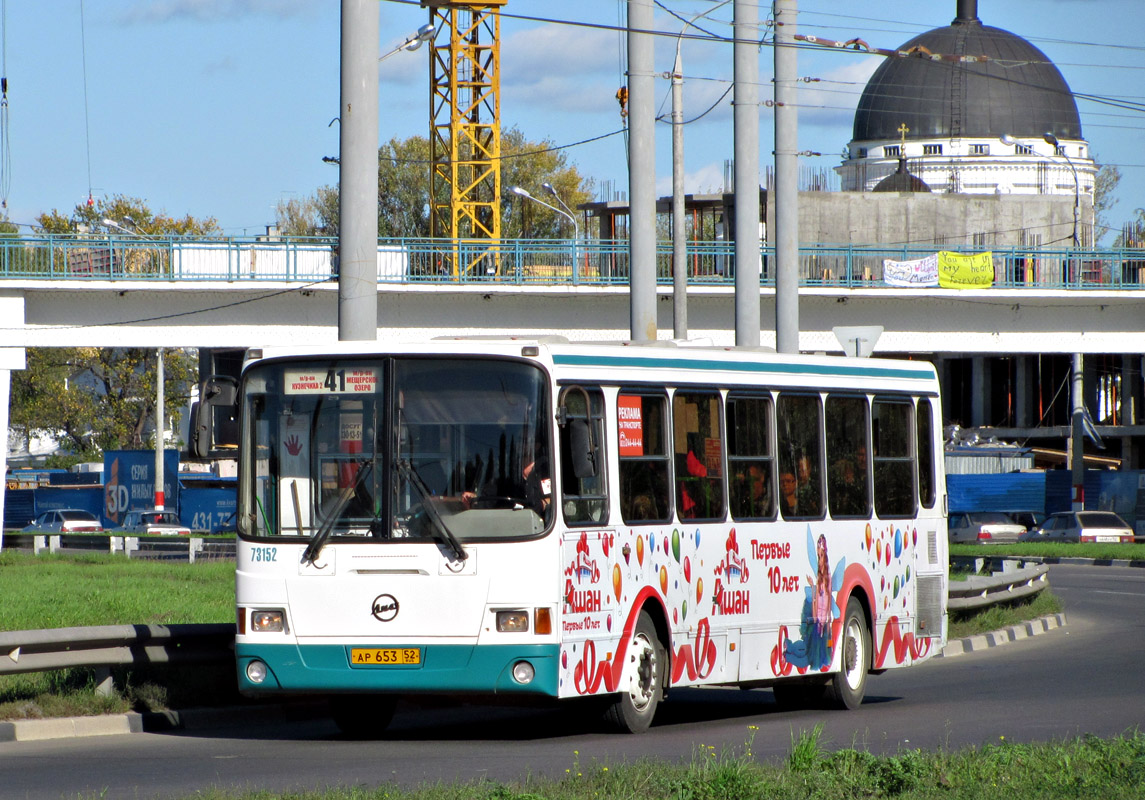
(813, 649)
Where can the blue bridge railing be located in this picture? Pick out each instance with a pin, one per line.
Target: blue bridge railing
(524, 262)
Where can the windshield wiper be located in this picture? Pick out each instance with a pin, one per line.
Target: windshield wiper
(438, 526)
(318, 540)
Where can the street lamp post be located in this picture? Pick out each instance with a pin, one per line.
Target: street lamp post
(412, 42)
(1052, 140)
(520, 192)
(160, 413)
(679, 240)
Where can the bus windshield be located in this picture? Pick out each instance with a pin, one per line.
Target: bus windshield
(396, 448)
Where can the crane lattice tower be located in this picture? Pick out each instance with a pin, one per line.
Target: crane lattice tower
(465, 131)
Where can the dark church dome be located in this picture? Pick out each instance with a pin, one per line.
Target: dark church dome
(1014, 90)
(901, 181)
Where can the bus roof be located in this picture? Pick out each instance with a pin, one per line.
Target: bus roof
(661, 361)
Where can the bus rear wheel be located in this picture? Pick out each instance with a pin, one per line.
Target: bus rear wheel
(849, 684)
(362, 716)
(641, 680)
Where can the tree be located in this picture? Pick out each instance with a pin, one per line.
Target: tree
(96, 399)
(1104, 184)
(131, 213)
(404, 187)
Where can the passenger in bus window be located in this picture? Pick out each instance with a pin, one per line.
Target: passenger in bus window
(788, 493)
(808, 491)
(532, 490)
(759, 490)
(689, 505)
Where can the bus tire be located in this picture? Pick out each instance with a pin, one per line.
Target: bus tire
(641, 680)
(362, 716)
(849, 684)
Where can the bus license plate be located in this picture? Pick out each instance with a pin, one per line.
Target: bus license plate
(385, 655)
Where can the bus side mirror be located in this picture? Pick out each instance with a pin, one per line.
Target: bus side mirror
(581, 449)
(218, 394)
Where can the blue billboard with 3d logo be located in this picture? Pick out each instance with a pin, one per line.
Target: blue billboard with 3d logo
(129, 482)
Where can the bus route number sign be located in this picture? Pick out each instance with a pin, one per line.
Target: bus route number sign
(348, 380)
(384, 656)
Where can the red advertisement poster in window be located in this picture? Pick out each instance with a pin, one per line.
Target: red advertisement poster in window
(630, 424)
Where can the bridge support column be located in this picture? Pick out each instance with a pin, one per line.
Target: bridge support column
(979, 391)
(1023, 391)
(10, 358)
(1129, 399)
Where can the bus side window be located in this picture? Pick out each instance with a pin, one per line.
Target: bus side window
(848, 470)
(799, 431)
(892, 429)
(643, 456)
(925, 442)
(698, 448)
(584, 500)
(751, 466)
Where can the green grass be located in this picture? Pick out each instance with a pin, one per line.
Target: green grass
(62, 591)
(1001, 616)
(1075, 769)
(58, 591)
(1052, 550)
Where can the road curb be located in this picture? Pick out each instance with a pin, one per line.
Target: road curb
(29, 730)
(1014, 633)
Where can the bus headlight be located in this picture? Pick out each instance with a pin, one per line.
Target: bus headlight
(512, 621)
(523, 672)
(256, 671)
(267, 621)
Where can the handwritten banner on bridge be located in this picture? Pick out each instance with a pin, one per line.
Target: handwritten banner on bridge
(945, 269)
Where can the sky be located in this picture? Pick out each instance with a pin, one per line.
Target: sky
(225, 108)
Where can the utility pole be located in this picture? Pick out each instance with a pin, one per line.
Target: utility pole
(641, 173)
(746, 129)
(1076, 448)
(786, 181)
(358, 174)
(159, 432)
(679, 239)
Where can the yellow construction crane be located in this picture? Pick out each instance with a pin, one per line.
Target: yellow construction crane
(465, 132)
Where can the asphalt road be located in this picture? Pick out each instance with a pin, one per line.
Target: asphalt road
(1083, 678)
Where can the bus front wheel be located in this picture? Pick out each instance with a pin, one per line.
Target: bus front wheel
(849, 684)
(641, 681)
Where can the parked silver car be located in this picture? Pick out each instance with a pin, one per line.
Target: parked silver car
(1081, 526)
(983, 527)
(153, 522)
(65, 520)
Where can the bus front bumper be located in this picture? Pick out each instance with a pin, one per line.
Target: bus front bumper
(441, 669)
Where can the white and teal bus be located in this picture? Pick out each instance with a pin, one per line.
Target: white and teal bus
(533, 519)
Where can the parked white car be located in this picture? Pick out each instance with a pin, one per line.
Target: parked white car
(65, 520)
(153, 522)
(983, 527)
(1081, 526)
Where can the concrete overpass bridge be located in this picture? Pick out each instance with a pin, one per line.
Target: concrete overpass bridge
(114, 291)
(1004, 351)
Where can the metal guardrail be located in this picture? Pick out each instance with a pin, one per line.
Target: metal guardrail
(980, 592)
(527, 262)
(181, 548)
(114, 645)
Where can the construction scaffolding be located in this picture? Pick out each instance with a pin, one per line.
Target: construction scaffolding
(465, 133)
